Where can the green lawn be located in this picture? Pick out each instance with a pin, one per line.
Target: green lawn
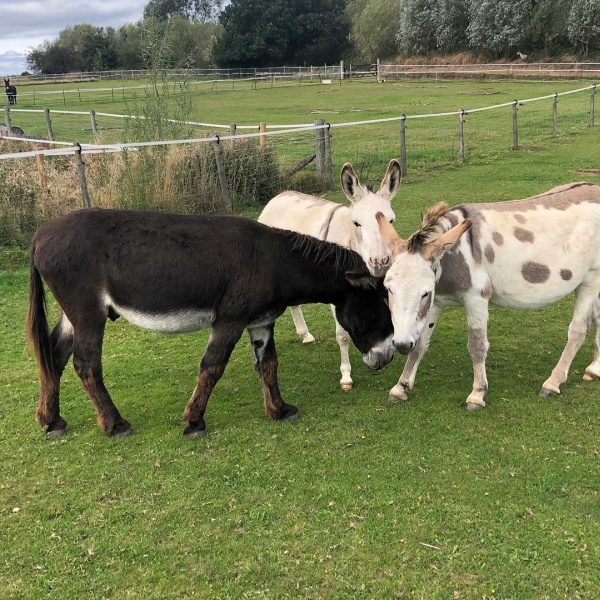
(358, 499)
(293, 104)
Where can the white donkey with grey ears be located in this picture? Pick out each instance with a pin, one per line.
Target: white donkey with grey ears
(354, 227)
(523, 254)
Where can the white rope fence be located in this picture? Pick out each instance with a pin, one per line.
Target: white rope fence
(280, 129)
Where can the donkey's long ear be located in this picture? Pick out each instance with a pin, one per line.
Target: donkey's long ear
(350, 184)
(391, 181)
(361, 278)
(391, 239)
(435, 249)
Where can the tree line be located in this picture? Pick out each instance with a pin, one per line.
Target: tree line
(255, 33)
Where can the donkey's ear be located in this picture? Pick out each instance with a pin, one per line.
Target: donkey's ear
(391, 181)
(361, 277)
(350, 184)
(395, 244)
(435, 249)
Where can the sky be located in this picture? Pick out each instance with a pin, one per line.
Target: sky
(26, 23)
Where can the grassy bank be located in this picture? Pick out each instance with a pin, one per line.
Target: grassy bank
(359, 499)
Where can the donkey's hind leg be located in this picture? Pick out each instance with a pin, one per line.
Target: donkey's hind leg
(301, 327)
(222, 341)
(585, 295)
(592, 373)
(48, 411)
(87, 360)
(265, 361)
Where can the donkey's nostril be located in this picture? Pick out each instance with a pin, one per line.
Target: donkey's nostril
(372, 262)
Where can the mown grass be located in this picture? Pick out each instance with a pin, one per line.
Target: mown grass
(289, 104)
(358, 499)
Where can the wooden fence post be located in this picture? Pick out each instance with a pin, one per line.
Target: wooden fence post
(232, 128)
(515, 127)
(82, 180)
(328, 158)
(222, 175)
(48, 124)
(555, 116)
(263, 138)
(94, 127)
(403, 145)
(320, 148)
(461, 136)
(592, 96)
(7, 119)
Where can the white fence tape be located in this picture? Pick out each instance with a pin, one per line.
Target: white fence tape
(95, 148)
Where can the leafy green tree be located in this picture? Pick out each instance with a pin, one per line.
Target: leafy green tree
(547, 30)
(202, 10)
(452, 20)
(274, 32)
(498, 27)
(584, 25)
(373, 32)
(417, 26)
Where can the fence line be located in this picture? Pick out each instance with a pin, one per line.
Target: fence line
(282, 128)
(219, 173)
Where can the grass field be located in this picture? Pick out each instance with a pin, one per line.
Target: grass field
(293, 104)
(360, 498)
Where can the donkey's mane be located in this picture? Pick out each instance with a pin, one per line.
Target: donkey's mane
(319, 251)
(430, 228)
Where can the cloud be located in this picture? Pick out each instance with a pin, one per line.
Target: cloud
(12, 63)
(27, 23)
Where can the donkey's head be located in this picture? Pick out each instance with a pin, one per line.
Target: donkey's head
(366, 317)
(411, 278)
(365, 205)
(6, 83)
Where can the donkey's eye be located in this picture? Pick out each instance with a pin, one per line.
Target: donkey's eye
(356, 224)
(392, 220)
(424, 295)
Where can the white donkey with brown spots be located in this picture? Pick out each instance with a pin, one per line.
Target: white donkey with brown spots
(354, 227)
(523, 254)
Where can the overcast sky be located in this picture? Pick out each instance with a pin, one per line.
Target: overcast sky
(27, 23)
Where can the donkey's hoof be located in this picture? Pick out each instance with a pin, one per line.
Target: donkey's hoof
(590, 376)
(115, 434)
(346, 386)
(473, 406)
(309, 338)
(396, 399)
(546, 393)
(289, 413)
(57, 428)
(195, 429)
(56, 432)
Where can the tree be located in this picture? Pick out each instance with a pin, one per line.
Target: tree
(373, 32)
(547, 30)
(417, 26)
(202, 10)
(498, 26)
(274, 32)
(452, 20)
(584, 24)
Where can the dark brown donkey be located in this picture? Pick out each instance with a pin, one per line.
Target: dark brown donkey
(177, 273)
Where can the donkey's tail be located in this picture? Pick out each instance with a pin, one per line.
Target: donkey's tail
(37, 323)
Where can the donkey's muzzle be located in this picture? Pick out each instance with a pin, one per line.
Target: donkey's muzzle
(380, 356)
(379, 266)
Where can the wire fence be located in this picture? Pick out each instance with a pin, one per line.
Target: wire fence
(220, 172)
(376, 71)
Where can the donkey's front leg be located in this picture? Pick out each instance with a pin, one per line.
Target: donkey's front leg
(222, 341)
(477, 320)
(343, 339)
(265, 361)
(399, 392)
(585, 294)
